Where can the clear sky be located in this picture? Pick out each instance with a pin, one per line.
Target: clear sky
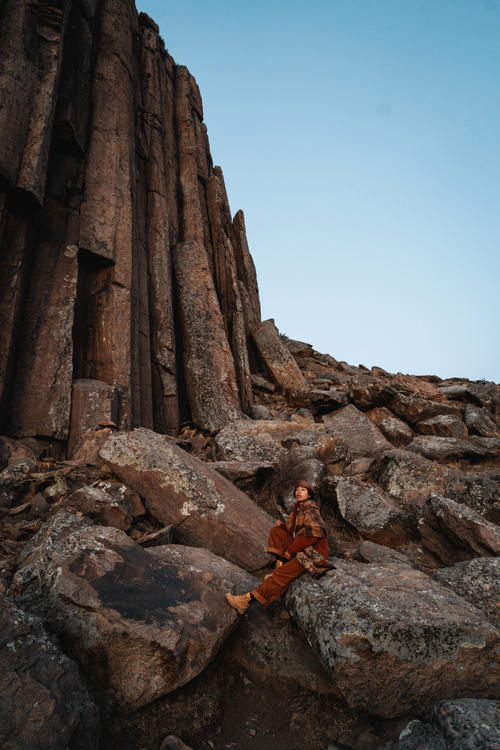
(361, 138)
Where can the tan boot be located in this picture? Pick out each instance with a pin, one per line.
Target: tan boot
(239, 603)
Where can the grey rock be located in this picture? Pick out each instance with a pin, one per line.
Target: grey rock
(443, 425)
(370, 511)
(361, 436)
(477, 581)
(479, 422)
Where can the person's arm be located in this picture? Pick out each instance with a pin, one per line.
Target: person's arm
(300, 543)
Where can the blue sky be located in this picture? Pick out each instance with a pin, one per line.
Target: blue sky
(361, 138)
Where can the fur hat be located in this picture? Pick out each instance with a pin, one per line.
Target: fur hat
(303, 483)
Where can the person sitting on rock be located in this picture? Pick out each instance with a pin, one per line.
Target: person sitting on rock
(299, 545)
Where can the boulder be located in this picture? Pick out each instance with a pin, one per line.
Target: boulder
(414, 408)
(367, 391)
(207, 510)
(452, 449)
(280, 363)
(443, 425)
(247, 475)
(454, 532)
(396, 431)
(94, 405)
(359, 433)
(108, 501)
(392, 639)
(479, 422)
(411, 479)
(264, 440)
(44, 704)
(370, 511)
(371, 552)
(325, 401)
(477, 581)
(462, 724)
(139, 626)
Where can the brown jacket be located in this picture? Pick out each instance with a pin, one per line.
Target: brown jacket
(305, 520)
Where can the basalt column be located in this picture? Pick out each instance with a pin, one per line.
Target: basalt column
(208, 362)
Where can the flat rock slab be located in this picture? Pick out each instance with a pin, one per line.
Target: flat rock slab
(180, 490)
(138, 625)
(44, 704)
(361, 436)
(392, 639)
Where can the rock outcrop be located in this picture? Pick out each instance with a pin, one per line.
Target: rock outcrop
(120, 262)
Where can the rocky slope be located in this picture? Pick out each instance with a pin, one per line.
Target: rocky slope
(129, 300)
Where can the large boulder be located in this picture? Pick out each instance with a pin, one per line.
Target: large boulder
(443, 425)
(392, 639)
(361, 436)
(370, 511)
(414, 408)
(279, 361)
(478, 581)
(178, 489)
(411, 478)
(110, 502)
(454, 532)
(139, 626)
(44, 704)
(479, 422)
(453, 449)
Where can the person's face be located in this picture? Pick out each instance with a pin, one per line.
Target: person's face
(301, 494)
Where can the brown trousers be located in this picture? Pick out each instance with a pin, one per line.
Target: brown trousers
(277, 583)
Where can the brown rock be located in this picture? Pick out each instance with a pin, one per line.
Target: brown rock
(396, 431)
(452, 449)
(465, 532)
(413, 408)
(279, 361)
(392, 639)
(325, 401)
(247, 475)
(108, 501)
(178, 489)
(477, 581)
(371, 512)
(359, 433)
(138, 626)
(367, 392)
(479, 422)
(44, 704)
(443, 425)
(93, 405)
(371, 552)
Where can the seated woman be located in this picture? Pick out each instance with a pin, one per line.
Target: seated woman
(299, 544)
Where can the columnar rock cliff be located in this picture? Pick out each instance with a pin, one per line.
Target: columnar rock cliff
(120, 264)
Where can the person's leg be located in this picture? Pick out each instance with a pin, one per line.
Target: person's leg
(278, 541)
(277, 583)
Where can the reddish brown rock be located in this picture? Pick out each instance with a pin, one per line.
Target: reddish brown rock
(110, 502)
(479, 422)
(358, 432)
(367, 392)
(94, 405)
(279, 361)
(178, 489)
(451, 449)
(396, 431)
(443, 425)
(138, 626)
(392, 639)
(414, 408)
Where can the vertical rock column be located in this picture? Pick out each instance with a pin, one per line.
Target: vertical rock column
(226, 279)
(107, 211)
(208, 362)
(161, 214)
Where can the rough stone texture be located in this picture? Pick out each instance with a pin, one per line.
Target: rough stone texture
(44, 704)
(413, 408)
(110, 502)
(264, 440)
(359, 433)
(466, 532)
(452, 449)
(177, 488)
(106, 184)
(443, 425)
(246, 475)
(279, 361)
(466, 724)
(138, 626)
(371, 552)
(93, 405)
(393, 640)
(478, 581)
(396, 431)
(479, 422)
(370, 511)
(367, 392)
(411, 479)
(323, 402)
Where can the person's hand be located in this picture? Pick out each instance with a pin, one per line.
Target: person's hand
(287, 555)
(279, 523)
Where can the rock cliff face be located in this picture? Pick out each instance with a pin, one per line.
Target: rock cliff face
(120, 263)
